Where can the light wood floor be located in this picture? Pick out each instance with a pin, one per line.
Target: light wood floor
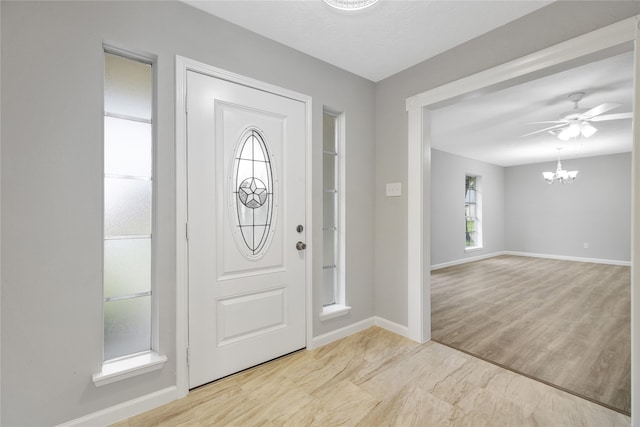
(377, 378)
(563, 322)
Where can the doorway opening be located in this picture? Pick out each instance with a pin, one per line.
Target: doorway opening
(599, 44)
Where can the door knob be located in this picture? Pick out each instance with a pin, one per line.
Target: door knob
(301, 246)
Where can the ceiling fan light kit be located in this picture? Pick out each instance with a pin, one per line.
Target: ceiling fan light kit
(577, 122)
(575, 129)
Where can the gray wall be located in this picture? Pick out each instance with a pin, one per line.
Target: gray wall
(558, 219)
(52, 179)
(447, 206)
(522, 213)
(550, 25)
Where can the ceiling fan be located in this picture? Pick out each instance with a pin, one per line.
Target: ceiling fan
(578, 121)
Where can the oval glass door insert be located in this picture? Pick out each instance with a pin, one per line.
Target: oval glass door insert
(253, 194)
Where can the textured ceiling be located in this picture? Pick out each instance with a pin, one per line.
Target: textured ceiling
(374, 43)
(488, 127)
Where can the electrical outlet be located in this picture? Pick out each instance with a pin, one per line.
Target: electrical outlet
(585, 245)
(394, 189)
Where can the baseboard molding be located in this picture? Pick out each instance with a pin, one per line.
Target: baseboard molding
(392, 326)
(332, 336)
(527, 254)
(125, 410)
(571, 258)
(466, 260)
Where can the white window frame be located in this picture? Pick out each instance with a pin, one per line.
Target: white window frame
(339, 308)
(478, 216)
(139, 363)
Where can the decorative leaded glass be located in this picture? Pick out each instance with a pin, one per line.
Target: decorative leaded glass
(253, 193)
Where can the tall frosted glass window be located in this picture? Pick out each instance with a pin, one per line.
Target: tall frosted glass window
(330, 227)
(472, 212)
(128, 201)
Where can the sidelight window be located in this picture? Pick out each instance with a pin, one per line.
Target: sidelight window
(333, 202)
(128, 205)
(129, 306)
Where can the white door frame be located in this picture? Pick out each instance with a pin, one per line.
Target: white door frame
(183, 65)
(419, 109)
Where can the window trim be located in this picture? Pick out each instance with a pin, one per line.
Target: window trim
(128, 367)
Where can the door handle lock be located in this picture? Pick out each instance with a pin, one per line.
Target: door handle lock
(301, 246)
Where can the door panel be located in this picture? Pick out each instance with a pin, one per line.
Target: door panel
(246, 196)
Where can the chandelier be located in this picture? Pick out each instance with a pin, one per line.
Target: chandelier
(560, 175)
(350, 5)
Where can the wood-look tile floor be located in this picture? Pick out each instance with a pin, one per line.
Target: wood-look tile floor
(377, 378)
(563, 322)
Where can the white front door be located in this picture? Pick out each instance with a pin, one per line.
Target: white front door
(246, 201)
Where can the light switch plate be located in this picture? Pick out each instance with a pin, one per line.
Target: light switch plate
(394, 189)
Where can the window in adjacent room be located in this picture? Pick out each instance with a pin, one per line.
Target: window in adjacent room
(472, 212)
(333, 233)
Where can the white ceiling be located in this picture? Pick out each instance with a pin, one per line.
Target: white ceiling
(393, 35)
(377, 42)
(488, 127)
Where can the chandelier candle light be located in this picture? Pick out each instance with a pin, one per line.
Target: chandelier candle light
(560, 175)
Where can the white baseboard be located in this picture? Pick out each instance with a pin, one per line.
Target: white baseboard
(527, 254)
(466, 260)
(332, 336)
(125, 410)
(392, 326)
(571, 258)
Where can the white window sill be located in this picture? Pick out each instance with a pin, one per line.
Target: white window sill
(333, 311)
(128, 367)
(473, 249)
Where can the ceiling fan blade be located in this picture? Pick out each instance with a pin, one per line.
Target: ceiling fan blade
(616, 116)
(544, 130)
(602, 108)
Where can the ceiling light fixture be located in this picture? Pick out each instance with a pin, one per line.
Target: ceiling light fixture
(575, 129)
(560, 175)
(350, 5)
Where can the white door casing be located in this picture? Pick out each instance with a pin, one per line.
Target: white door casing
(246, 192)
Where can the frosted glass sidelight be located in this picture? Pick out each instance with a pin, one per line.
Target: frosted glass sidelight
(328, 286)
(127, 327)
(127, 204)
(329, 172)
(127, 87)
(127, 267)
(330, 183)
(329, 248)
(127, 147)
(329, 210)
(329, 133)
